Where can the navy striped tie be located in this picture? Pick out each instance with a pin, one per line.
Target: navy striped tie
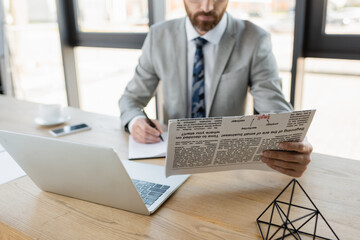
(198, 87)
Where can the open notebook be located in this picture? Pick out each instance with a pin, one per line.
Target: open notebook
(144, 151)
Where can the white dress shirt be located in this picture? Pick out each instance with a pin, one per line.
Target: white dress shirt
(209, 51)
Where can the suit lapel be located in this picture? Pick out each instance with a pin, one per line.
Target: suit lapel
(181, 64)
(226, 46)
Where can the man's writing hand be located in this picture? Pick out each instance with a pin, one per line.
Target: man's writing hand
(142, 132)
(293, 161)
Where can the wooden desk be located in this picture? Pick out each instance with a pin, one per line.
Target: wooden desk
(221, 205)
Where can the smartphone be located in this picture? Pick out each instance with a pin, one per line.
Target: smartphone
(69, 129)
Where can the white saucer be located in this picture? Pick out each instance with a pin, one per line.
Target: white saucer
(43, 122)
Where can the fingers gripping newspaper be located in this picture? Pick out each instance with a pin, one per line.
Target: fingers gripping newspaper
(229, 143)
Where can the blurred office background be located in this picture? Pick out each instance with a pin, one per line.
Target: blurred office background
(41, 65)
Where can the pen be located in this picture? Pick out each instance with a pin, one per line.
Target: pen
(151, 123)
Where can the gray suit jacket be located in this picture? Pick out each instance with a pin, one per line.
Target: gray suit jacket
(244, 60)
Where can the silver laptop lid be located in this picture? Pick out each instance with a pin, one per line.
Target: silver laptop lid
(87, 172)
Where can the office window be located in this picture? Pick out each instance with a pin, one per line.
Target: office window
(174, 9)
(343, 17)
(113, 15)
(332, 87)
(108, 37)
(35, 58)
(102, 76)
(332, 30)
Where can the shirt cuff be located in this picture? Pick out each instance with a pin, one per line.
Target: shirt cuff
(131, 123)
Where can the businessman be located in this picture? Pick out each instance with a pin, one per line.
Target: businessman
(206, 63)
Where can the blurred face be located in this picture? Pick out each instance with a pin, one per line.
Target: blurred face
(205, 14)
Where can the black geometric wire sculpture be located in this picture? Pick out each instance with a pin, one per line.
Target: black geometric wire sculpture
(298, 225)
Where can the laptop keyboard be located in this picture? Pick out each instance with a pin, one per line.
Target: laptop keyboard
(149, 191)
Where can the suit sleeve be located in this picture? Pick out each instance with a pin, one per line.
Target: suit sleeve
(265, 83)
(142, 86)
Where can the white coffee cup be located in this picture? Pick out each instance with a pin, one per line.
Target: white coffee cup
(50, 112)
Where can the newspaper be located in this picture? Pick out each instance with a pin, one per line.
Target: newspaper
(229, 143)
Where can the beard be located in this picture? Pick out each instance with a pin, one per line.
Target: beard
(204, 25)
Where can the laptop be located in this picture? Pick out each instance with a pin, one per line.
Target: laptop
(91, 173)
